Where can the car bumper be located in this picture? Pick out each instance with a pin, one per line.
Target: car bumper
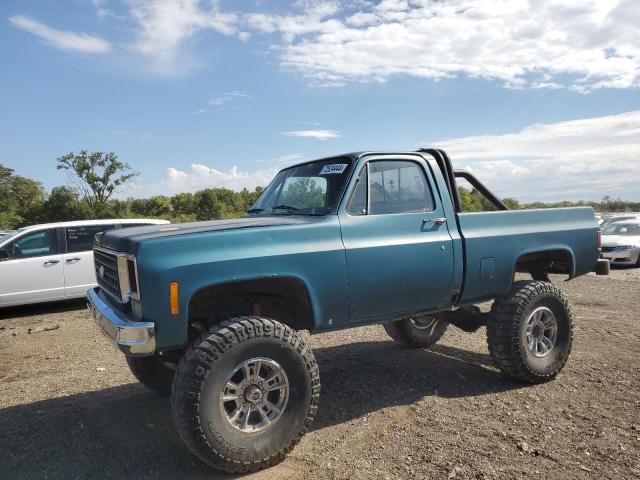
(623, 257)
(135, 339)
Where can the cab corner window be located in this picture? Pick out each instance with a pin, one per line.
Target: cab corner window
(36, 244)
(80, 239)
(398, 187)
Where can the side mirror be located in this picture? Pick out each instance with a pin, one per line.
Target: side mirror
(4, 254)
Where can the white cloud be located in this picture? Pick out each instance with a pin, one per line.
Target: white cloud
(74, 41)
(548, 44)
(222, 100)
(197, 177)
(290, 158)
(163, 25)
(219, 101)
(317, 134)
(101, 8)
(577, 159)
(578, 44)
(202, 176)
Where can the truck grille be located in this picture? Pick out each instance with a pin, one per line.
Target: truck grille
(106, 266)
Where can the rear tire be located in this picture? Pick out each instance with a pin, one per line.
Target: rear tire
(152, 373)
(530, 331)
(422, 331)
(244, 394)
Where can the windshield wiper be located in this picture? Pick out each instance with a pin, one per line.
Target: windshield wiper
(284, 207)
(255, 210)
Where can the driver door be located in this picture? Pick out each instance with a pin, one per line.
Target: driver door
(397, 243)
(33, 271)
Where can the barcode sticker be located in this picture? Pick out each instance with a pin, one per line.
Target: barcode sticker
(336, 168)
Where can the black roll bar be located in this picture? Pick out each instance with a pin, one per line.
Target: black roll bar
(478, 185)
(443, 161)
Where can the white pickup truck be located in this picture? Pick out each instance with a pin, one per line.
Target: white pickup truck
(52, 261)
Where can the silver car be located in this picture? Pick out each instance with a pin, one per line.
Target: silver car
(621, 242)
(608, 219)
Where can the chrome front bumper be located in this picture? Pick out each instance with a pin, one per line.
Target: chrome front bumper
(135, 339)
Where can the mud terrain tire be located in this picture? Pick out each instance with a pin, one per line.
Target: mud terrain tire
(212, 427)
(530, 331)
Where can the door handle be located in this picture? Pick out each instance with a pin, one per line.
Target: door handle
(436, 221)
(51, 262)
(73, 260)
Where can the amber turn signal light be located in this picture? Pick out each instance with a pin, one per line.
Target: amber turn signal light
(174, 306)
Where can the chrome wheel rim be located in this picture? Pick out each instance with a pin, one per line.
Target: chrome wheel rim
(255, 395)
(424, 323)
(542, 332)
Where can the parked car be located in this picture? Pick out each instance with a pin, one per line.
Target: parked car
(5, 233)
(621, 242)
(210, 311)
(52, 261)
(619, 217)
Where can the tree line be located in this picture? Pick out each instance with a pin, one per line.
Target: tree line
(95, 176)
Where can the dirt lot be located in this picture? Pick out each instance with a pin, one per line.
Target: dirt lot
(70, 409)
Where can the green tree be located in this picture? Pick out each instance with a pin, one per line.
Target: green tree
(512, 203)
(183, 204)
(158, 206)
(63, 205)
(20, 199)
(97, 175)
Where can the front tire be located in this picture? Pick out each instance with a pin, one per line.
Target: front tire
(530, 331)
(245, 393)
(422, 331)
(152, 373)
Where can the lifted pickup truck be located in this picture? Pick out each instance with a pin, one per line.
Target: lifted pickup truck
(210, 312)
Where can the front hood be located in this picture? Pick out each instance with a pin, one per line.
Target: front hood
(617, 240)
(126, 239)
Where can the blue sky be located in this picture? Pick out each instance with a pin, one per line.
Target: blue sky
(542, 102)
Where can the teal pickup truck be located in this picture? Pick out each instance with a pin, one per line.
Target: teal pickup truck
(209, 312)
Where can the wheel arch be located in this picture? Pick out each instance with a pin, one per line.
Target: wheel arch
(554, 259)
(283, 298)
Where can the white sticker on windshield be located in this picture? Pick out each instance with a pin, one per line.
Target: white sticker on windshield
(336, 168)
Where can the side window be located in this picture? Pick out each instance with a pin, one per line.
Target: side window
(358, 201)
(36, 244)
(398, 187)
(80, 239)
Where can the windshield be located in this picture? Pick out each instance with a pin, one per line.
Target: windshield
(310, 189)
(622, 229)
(7, 235)
(616, 219)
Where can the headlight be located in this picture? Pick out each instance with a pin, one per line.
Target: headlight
(622, 248)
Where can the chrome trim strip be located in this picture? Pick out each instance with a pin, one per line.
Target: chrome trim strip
(123, 277)
(132, 338)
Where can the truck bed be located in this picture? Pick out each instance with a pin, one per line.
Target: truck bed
(495, 241)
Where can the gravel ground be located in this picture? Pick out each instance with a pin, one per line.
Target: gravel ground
(69, 408)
